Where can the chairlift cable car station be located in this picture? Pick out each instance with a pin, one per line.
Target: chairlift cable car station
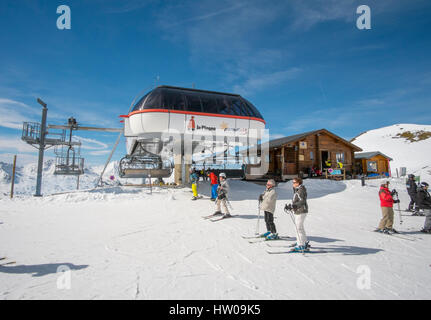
(164, 109)
(183, 110)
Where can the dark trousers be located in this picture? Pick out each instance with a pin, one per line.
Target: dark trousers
(269, 220)
(412, 202)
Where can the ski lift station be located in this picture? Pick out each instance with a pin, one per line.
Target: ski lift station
(206, 122)
(167, 130)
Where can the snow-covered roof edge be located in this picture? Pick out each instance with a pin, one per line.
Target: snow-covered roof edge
(370, 154)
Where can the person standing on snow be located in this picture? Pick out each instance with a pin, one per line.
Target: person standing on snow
(222, 191)
(214, 185)
(194, 178)
(411, 190)
(300, 209)
(424, 202)
(386, 203)
(267, 202)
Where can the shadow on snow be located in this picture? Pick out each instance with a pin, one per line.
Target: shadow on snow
(39, 270)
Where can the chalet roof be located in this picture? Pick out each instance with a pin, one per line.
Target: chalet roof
(285, 140)
(370, 154)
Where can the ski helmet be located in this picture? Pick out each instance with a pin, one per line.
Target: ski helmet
(423, 185)
(411, 176)
(222, 175)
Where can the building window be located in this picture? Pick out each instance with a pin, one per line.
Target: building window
(372, 166)
(340, 157)
(311, 155)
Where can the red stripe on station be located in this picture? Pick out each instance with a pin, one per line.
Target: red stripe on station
(193, 113)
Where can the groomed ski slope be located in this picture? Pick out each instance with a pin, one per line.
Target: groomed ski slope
(123, 243)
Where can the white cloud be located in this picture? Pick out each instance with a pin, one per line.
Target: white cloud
(11, 143)
(226, 36)
(99, 153)
(259, 82)
(91, 144)
(14, 113)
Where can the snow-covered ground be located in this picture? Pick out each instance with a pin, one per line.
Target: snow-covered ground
(125, 243)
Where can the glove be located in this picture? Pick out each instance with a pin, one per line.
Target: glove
(294, 206)
(393, 192)
(288, 207)
(397, 201)
(221, 196)
(261, 198)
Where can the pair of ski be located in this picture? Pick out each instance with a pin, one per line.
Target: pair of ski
(291, 250)
(217, 217)
(6, 263)
(259, 239)
(398, 235)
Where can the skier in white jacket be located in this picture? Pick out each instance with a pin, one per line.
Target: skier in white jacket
(267, 204)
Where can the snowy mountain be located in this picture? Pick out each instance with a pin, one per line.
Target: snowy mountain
(409, 145)
(25, 178)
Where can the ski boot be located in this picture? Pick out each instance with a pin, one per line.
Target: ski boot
(227, 215)
(272, 236)
(264, 235)
(217, 213)
(390, 231)
(426, 231)
(307, 245)
(386, 230)
(300, 249)
(378, 230)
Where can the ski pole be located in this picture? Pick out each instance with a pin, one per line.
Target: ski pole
(258, 218)
(228, 203)
(399, 209)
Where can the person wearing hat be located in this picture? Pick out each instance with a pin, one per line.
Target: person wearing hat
(222, 191)
(386, 203)
(411, 190)
(424, 202)
(267, 202)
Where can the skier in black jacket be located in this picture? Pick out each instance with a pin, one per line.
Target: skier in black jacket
(412, 190)
(424, 202)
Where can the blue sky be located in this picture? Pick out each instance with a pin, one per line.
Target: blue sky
(303, 64)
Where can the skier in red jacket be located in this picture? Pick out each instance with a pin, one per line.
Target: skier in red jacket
(386, 203)
(214, 185)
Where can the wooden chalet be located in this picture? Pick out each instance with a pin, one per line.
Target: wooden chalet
(307, 154)
(372, 163)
